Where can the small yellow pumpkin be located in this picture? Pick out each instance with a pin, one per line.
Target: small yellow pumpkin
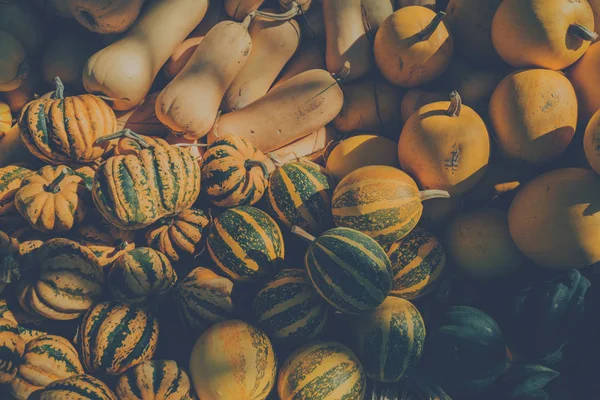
(5, 118)
(154, 380)
(360, 151)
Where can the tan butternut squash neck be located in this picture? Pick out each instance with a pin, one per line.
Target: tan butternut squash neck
(582, 32)
(249, 164)
(433, 194)
(426, 33)
(455, 105)
(54, 187)
(125, 133)
(59, 92)
(302, 234)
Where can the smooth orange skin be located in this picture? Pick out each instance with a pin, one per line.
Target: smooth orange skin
(591, 142)
(596, 9)
(585, 75)
(534, 115)
(360, 151)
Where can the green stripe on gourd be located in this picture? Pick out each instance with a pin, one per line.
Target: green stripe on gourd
(12, 347)
(162, 379)
(79, 387)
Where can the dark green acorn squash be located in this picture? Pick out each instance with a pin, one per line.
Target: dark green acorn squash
(522, 381)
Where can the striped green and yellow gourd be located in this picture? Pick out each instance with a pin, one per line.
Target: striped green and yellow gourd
(299, 194)
(46, 359)
(418, 261)
(29, 326)
(290, 309)
(11, 177)
(12, 347)
(348, 269)
(114, 337)
(245, 243)
(322, 371)
(389, 340)
(154, 380)
(76, 387)
(9, 259)
(381, 202)
(204, 298)
(139, 274)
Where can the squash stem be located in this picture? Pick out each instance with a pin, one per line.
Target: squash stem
(125, 133)
(434, 194)
(248, 19)
(426, 33)
(249, 164)
(9, 269)
(302, 234)
(191, 145)
(582, 32)
(59, 93)
(53, 187)
(455, 105)
(286, 16)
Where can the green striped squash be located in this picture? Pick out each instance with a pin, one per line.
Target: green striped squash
(12, 347)
(288, 307)
(28, 325)
(11, 177)
(139, 274)
(381, 202)
(349, 270)
(46, 359)
(322, 371)
(300, 194)
(204, 298)
(245, 243)
(418, 260)
(154, 380)
(114, 337)
(389, 340)
(77, 387)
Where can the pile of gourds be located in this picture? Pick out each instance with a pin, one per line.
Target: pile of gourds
(296, 199)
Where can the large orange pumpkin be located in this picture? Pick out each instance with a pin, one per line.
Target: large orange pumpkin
(584, 76)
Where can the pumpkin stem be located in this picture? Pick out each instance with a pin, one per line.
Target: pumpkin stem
(433, 194)
(455, 105)
(582, 32)
(249, 164)
(121, 244)
(59, 93)
(302, 234)
(127, 133)
(286, 16)
(426, 33)
(53, 186)
(9, 268)
(248, 19)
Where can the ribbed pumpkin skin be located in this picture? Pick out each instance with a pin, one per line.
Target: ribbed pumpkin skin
(322, 371)
(245, 243)
(16, 315)
(134, 191)
(233, 360)
(12, 347)
(390, 339)
(46, 359)
(204, 299)
(300, 194)
(11, 178)
(288, 307)
(67, 281)
(417, 260)
(154, 380)
(139, 274)
(179, 235)
(349, 270)
(77, 387)
(232, 174)
(379, 201)
(114, 337)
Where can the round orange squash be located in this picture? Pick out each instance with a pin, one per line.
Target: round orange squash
(417, 98)
(360, 151)
(584, 75)
(591, 142)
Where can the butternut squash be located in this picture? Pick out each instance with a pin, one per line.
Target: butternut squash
(310, 55)
(374, 13)
(19, 19)
(105, 16)
(312, 147)
(584, 76)
(125, 70)
(292, 111)
(347, 41)
(273, 44)
(13, 62)
(417, 98)
(142, 119)
(216, 62)
(240, 9)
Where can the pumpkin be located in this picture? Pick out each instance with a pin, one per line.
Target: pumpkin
(11, 178)
(66, 281)
(135, 190)
(59, 129)
(5, 118)
(389, 340)
(417, 260)
(416, 98)
(300, 194)
(46, 359)
(76, 387)
(9, 265)
(348, 269)
(52, 199)
(233, 360)
(413, 46)
(361, 151)
(289, 309)
(245, 243)
(580, 75)
(552, 219)
(204, 298)
(540, 126)
(178, 235)
(322, 371)
(157, 380)
(234, 172)
(29, 326)
(446, 146)
(106, 16)
(29, 240)
(12, 347)
(591, 139)
(114, 337)
(13, 65)
(22, 21)
(381, 202)
(550, 34)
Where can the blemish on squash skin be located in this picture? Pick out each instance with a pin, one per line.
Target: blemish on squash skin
(453, 161)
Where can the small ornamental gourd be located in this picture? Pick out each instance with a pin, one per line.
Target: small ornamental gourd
(9, 265)
(154, 380)
(11, 178)
(46, 359)
(29, 326)
(76, 387)
(245, 243)
(233, 360)
(63, 280)
(289, 309)
(114, 337)
(381, 202)
(139, 274)
(234, 172)
(178, 235)
(60, 130)
(329, 365)
(348, 269)
(204, 298)
(52, 199)
(5, 118)
(12, 347)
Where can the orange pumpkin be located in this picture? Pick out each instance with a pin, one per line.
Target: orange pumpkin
(591, 142)
(584, 75)
(417, 98)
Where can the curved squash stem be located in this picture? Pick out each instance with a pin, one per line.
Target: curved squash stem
(339, 78)
(433, 194)
(582, 32)
(276, 161)
(122, 244)
(248, 19)
(249, 164)
(125, 133)
(426, 33)
(53, 186)
(302, 234)
(455, 105)
(59, 93)
(286, 16)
